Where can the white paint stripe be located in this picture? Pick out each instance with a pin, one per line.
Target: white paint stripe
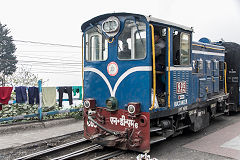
(179, 69)
(129, 71)
(101, 75)
(207, 53)
(121, 78)
(233, 143)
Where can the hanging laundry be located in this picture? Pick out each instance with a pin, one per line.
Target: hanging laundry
(21, 94)
(67, 90)
(77, 89)
(33, 95)
(5, 94)
(49, 96)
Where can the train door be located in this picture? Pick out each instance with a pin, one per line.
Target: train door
(215, 75)
(238, 86)
(181, 70)
(160, 38)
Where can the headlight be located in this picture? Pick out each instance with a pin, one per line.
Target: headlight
(86, 104)
(90, 103)
(112, 104)
(134, 108)
(131, 109)
(111, 26)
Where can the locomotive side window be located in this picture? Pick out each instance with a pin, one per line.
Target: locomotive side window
(132, 41)
(96, 45)
(184, 49)
(181, 48)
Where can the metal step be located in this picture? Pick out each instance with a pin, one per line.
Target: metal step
(156, 139)
(218, 114)
(155, 129)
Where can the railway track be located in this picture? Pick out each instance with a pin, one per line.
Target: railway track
(79, 152)
(53, 153)
(51, 150)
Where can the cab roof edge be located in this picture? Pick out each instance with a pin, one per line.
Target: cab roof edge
(152, 19)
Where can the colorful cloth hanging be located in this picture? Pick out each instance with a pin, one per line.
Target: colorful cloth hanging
(21, 94)
(33, 95)
(49, 96)
(5, 94)
(67, 90)
(77, 89)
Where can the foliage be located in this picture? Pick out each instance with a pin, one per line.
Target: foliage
(27, 109)
(7, 57)
(22, 77)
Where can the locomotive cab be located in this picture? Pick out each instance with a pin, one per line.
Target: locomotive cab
(142, 82)
(117, 81)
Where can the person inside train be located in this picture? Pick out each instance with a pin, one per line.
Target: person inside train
(159, 51)
(126, 52)
(160, 45)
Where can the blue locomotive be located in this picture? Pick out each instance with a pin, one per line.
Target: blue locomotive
(145, 80)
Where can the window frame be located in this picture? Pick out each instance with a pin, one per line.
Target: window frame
(132, 39)
(87, 49)
(189, 48)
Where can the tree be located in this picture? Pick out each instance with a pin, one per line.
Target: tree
(22, 77)
(7, 58)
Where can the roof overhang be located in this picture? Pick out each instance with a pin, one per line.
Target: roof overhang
(150, 19)
(157, 20)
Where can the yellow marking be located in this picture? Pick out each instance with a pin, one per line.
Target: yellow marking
(225, 77)
(168, 67)
(111, 41)
(216, 48)
(208, 47)
(82, 71)
(198, 45)
(154, 68)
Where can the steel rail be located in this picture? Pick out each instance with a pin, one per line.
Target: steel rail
(79, 152)
(109, 155)
(40, 153)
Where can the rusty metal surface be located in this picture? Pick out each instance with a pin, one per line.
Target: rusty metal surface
(134, 131)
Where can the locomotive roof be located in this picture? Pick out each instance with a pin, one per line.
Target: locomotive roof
(148, 18)
(210, 47)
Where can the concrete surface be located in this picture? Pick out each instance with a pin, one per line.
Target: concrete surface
(219, 141)
(224, 142)
(21, 126)
(175, 148)
(17, 135)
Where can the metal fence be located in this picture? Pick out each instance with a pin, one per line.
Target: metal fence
(40, 113)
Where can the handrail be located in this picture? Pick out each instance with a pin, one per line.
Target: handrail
(154, 68)
(82, 71)
(169, 68)
(225, 77)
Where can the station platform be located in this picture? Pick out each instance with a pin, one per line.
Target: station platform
(224, 142)
(20, 134)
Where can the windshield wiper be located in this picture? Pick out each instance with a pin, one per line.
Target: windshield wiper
(97, 30)
(94, 27)
(138, 32)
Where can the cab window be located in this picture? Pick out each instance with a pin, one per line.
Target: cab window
(96, 45)
(181, 48)
(184, 49)
(132, 41)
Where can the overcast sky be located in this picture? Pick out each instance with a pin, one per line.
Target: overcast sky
(59, 21)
